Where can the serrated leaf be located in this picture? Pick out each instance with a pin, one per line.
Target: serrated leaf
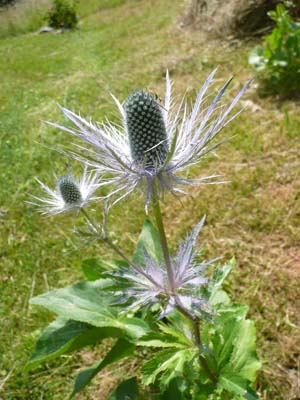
(237, 385)
(126, 390)
(167, 364)
(120, 350)
(244, 356)
(64, 336)
(149, 241)
(234, 343)
(180, 335)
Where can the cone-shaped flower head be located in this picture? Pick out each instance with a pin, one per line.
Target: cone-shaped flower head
(69, 190)
(69, 194)
(146, 129)
(155, 142)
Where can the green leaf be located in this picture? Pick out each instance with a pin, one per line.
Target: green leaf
(149, 241)
(156, 339)
(175, 390)
(64, 336)
(81, 302)
(237, 385)
(218, 278)
(219, 297)
(134, 327)
(167, 364)
(244, 356)
(94, 269)
(204, 390)
(233, 343)
(86, 303)
(126, 390)
(120, 350)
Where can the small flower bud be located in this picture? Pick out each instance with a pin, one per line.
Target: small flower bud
(69, 190)
(146, 129)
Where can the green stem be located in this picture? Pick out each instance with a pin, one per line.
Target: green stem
(202, 359)
(170, 272)
(117, 250)
(163, 240)
(89, 219)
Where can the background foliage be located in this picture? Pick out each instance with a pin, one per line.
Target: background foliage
(62, 15)
(277, 62)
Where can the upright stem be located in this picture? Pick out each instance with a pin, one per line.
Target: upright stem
(202, 359)
(163, 240)
(170, 272)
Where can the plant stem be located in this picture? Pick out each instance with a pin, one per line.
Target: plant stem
(163, 240)
(170, 272)
(117, 250)
(202, 359)
(89, 219)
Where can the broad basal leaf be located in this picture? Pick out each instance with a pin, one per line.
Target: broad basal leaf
(120, 350)
(64, 336)
(85, 302)
(81, 302)
(149, 241)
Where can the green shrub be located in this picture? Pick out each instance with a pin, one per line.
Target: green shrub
(62, 15)
(277, 62)
(5, 3)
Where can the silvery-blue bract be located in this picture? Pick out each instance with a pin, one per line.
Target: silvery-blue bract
(155, 142)
(69, 194)
(151, 284)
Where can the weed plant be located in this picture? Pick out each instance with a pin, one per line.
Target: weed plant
(277, 61)
(62, 15)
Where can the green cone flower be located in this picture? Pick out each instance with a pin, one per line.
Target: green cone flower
(146, 129)
(69, 190)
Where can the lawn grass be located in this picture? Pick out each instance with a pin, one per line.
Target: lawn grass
(255, 217)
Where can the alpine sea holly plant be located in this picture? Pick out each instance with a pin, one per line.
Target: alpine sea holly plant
(200, 345)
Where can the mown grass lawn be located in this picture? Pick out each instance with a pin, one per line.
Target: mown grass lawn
(255, 217)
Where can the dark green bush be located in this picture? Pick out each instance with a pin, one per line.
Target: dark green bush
(5, 3)
(277, 61)
(62, 15)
